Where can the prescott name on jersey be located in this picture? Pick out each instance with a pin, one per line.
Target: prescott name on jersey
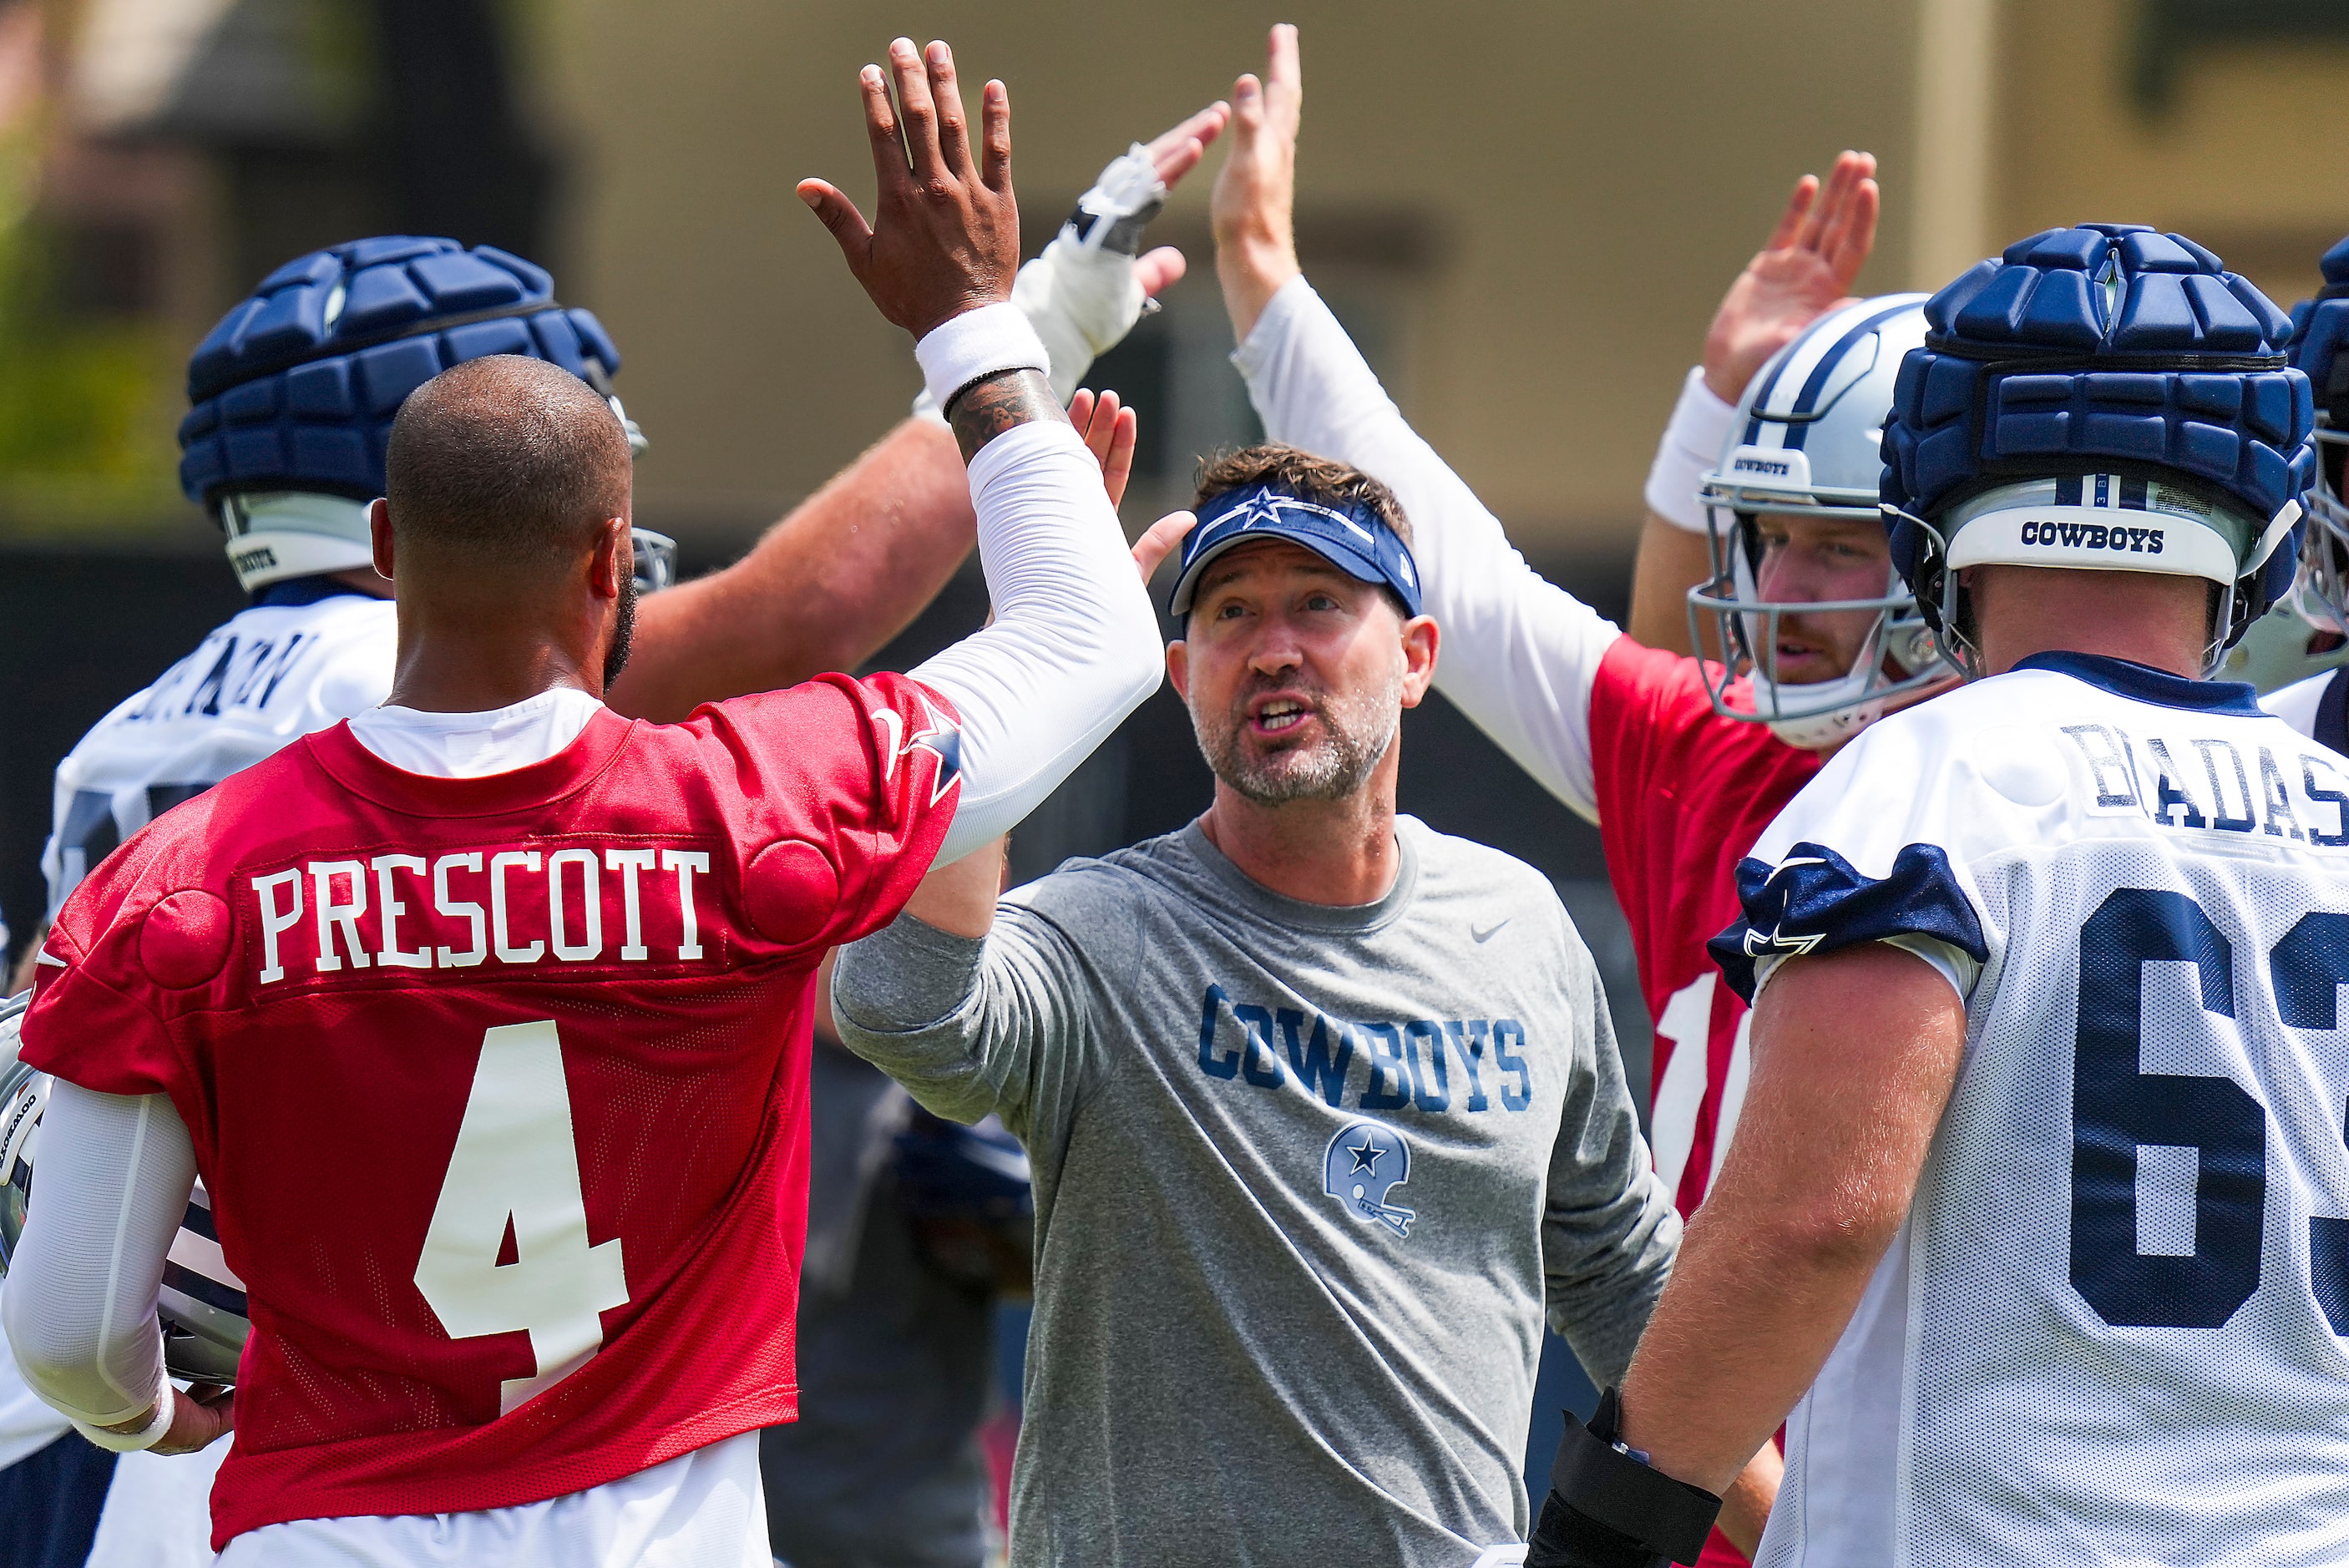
(498, 1083)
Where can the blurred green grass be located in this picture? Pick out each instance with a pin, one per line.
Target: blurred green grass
(89, 396)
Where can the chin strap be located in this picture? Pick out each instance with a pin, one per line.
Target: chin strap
(1608, 1507)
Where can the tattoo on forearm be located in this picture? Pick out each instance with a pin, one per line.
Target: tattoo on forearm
(985, 409)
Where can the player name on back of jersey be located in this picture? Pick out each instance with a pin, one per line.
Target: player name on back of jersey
(497, 905)
(2241, 782)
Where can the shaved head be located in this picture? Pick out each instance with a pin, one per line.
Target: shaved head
(505, 461)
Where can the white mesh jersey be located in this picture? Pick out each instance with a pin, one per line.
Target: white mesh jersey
(270, 674)
(2112, 1330)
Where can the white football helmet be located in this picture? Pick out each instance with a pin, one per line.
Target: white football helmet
(1806, 441)
(202, 1304)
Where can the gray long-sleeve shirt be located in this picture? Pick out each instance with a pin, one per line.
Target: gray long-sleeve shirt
(1307, 1179)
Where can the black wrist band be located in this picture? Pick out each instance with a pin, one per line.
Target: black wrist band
(1565, 1539)
(1608, 1487)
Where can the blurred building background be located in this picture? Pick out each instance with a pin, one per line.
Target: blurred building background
(1528, 208)
(1525, 209)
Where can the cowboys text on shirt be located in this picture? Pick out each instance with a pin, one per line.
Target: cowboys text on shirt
(1382, 1065)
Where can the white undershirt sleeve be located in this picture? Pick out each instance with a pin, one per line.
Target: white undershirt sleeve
(1074, 647)
(1518, 653)
(114, 1174)
(1949, 960)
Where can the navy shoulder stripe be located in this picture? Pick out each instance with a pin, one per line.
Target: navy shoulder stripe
(1814, 901)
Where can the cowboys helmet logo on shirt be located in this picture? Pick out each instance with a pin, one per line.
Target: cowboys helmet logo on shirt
(1363, 1167)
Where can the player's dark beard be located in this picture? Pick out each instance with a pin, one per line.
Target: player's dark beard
(1357, 733)
(623, 631)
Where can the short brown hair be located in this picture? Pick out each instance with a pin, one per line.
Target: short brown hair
(1304, 475)
(507, 459)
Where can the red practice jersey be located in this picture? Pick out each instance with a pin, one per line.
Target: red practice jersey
(499, 1084)
(1683, 794)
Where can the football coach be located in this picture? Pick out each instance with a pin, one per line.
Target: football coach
(1324, 1107)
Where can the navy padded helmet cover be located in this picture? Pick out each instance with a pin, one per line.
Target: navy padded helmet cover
(285, 397)
(2318, 327)
(2103, 346)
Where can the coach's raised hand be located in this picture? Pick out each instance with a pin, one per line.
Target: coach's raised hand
(1253, 207)
(945, 235)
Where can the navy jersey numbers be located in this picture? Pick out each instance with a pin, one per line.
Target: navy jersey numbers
(2118, 1112)
(2208, 1132)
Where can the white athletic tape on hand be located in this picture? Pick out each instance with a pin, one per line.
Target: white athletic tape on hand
(1691, 448)
(1128, 188)
(1083, 301)
(975, 344)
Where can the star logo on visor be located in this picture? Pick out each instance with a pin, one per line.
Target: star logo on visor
(1263, 510)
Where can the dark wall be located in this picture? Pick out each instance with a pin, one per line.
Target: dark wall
(80, 632)
(1150, 779)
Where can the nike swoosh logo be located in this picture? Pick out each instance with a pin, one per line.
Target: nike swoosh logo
(46, 956)
(1486, 934)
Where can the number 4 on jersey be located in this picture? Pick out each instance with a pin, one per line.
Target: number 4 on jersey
(515, 1170)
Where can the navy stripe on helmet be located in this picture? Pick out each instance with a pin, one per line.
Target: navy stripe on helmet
(1826, 368)
(1754, 420)
(1811, 387)
(210, 1292)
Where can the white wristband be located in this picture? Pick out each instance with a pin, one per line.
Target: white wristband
(1691, 449)
(157, 1428)
(975, 344)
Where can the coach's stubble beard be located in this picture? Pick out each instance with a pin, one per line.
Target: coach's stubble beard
(1356, 736)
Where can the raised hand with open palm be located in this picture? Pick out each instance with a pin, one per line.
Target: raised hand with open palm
(1822, 240)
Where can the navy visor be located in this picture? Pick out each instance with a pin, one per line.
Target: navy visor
(1354, 539)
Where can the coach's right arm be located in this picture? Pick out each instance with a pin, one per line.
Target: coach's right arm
(1609, 1231)
(975, 1006)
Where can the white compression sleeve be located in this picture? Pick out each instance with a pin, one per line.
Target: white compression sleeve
(1074, 646)
(1520, 652)
(115, 1175)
